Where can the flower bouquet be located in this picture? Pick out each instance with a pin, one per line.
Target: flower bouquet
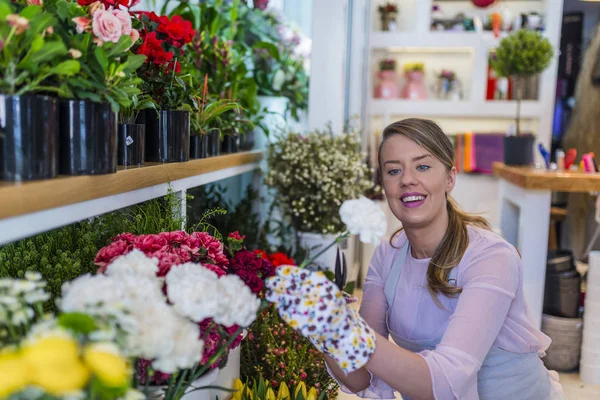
(388, 13)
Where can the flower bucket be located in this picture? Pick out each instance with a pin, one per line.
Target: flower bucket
(315, 242)
(228, 374)
(132, 139)
(28, 137)
(208, 379)
(167, 136)
(198, 146)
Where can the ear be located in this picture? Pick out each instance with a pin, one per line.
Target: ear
(451, 180)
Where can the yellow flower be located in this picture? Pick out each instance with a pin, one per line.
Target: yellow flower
(239, 386)
(344, 364)
(312, 394)
(104, 361)
(284, 392)
(286, 271)
(55, 365)
(301, 387)
(270, 395)
(14, 374)
(293, 323)
(309, 303)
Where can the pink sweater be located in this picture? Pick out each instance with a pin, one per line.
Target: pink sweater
(491, 310)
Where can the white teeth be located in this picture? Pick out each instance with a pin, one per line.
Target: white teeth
(413, 198)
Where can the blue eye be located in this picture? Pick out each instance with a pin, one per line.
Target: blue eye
(393, 171)
(423, 167)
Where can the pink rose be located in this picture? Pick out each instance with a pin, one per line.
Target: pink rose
(20, 24)
(83, 24)
(106, 27)
(35, 2)
(134, 35)
(151, 244)
(107, 254)
(125, 19)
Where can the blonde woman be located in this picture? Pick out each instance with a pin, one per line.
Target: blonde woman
(447, 289)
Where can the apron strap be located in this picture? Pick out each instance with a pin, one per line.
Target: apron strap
(394, 276)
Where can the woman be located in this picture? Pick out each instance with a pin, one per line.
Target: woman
(446, 288)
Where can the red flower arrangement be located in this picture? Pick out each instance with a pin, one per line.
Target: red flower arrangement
(277, 259)
(248, 265)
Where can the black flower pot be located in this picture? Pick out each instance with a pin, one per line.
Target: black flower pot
(28, 137)
(230, 144)
(167, 136)
(88, 138)
(518, 150)
(132, 139)
(214, 143)
(247, 141)
(198, 146)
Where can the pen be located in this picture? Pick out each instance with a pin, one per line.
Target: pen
(570, 158)
(545, 155)
(560, 159)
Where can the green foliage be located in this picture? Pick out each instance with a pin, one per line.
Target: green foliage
(278, 353)
(522, 54)
(29, 57)
(66, 253)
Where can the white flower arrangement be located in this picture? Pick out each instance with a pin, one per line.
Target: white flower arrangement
(363, 217)
(314, 175)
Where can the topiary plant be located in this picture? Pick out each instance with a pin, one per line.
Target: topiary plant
(520, 55)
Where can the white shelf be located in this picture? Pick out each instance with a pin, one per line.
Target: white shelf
(441, 108)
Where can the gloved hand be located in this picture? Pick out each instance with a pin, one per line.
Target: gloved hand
(313, 305)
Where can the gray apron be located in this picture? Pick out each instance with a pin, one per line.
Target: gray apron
(503, 375)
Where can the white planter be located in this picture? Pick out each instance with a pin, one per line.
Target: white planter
(228, 374)
(208, 379)
(275, 119)
(315, 242)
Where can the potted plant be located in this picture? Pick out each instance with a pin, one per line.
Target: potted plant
(313, 175)
(388, 13)
(521, 55)
(387, 88)
(100, 36)
(168, 81)
(132, 136)
(414, 87)
(263, 390)
(31, 55)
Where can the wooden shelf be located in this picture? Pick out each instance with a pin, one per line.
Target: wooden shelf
(446, 108)
(17, 199)
(532, 178)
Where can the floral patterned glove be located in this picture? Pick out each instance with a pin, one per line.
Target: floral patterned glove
(313, 305)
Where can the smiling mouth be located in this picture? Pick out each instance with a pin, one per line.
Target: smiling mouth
(412, 199)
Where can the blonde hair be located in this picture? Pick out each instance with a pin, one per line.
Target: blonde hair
(430, 136)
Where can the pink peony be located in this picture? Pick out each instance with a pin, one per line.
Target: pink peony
(107, 254)
(125, 19)
(106, 26)
(83, 24)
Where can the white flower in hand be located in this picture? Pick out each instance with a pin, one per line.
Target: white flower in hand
(363, 217)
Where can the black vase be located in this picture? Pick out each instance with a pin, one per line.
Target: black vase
(28, 137)
(518, 150)
(198, 146)
(88, 138)
(231, 144)
(247, 141)
(167, 136)
(132, 139)
(214, 143)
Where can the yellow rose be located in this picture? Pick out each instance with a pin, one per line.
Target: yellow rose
(284, 392)
(14, 374)
(312, 394)
(105, 362)
(55, 364)
(301, 387)
(270, 395)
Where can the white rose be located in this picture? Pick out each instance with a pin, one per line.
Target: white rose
(363, 217)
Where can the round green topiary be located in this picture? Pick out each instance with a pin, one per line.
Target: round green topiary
(523, 53)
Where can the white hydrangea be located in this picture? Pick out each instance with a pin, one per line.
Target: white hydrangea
(199, 293)
(135, 262)
(363, 217)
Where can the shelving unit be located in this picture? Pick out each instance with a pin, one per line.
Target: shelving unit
(467, 53)
(33, 207)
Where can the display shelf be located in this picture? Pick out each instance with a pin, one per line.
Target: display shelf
(441, 108)
(32, 207)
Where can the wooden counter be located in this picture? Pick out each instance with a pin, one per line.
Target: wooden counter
(532, 178)
(28, 197)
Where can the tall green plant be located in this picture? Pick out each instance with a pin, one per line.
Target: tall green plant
(520, 55)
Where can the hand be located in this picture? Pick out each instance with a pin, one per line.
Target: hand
(313, 305)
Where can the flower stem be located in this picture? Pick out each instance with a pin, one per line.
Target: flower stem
(337, 240)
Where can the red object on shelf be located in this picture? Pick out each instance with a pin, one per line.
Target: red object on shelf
(491, 83)
(483, 3)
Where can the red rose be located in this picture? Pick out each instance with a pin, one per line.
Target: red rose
(169, 67)
(107, 254)
(85, 3)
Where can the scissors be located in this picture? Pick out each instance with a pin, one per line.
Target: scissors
(341, 270)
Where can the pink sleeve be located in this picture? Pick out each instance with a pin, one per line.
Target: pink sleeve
(374, 310)
(490, 281)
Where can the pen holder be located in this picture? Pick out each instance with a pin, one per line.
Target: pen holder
(518, 150)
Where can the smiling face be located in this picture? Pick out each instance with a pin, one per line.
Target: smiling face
(415, 181)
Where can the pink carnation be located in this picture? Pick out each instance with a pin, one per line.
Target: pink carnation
(213, 247)
(166, 262)
(151, 243)
(107, 254)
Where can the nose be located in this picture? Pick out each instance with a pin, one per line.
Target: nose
(407, 178)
